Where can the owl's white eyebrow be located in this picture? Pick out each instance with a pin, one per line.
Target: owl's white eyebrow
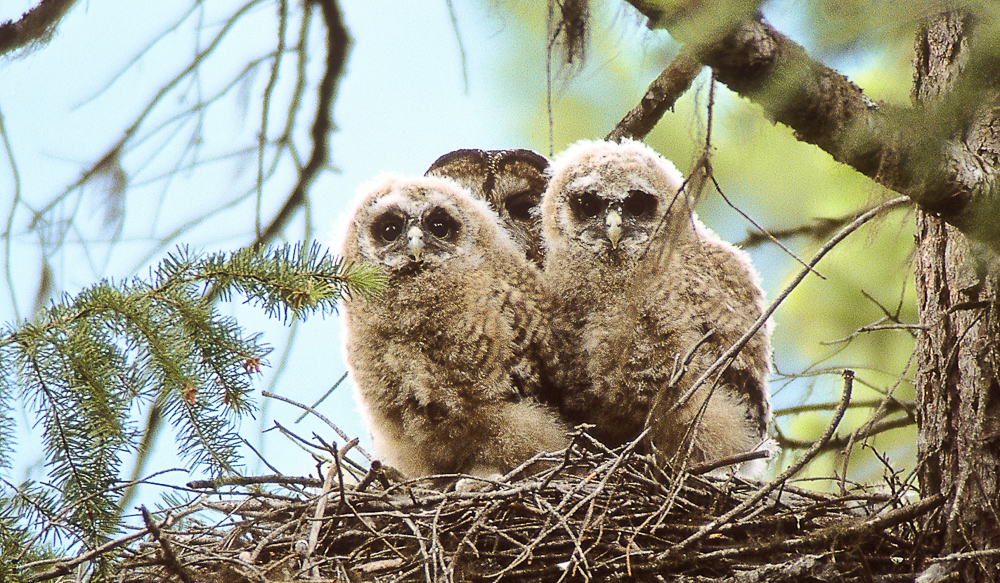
(393, 199)
(584, 182)
(642, 184)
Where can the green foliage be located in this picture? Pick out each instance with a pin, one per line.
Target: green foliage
(88, 363)
(781, 183)
(26, 514)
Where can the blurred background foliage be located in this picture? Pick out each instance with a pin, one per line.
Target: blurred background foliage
(780, 183)
(211, 159)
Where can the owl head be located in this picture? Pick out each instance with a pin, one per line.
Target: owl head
(511, 181)
(612, 200)
(407, 225)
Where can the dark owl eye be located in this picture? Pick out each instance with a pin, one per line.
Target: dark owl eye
(440, 224)
(638, 203)
(519, 205)
(588, 204)
(388, 228)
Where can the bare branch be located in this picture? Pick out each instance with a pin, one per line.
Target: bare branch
(35, 25)
(338, 42)
(166, 548)
(818, 230)
(841, 442)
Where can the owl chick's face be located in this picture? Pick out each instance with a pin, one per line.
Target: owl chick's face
(406, 225)
(610, 199)
(511, 181)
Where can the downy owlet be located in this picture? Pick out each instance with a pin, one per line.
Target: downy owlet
(448, 360)
(646, 299)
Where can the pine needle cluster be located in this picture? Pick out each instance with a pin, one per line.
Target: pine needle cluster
(86, 367)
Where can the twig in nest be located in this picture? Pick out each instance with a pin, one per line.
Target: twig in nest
(317, 522)
(770, 486)
(166, 550)
(732, 460)
(375, 472)
(322, 418)
(248, 480)
(965, 555)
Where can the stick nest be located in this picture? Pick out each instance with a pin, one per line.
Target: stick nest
(594, 515)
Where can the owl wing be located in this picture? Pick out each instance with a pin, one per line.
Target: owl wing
(534, 357)
(728, 300)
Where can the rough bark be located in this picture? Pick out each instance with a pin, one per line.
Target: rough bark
(663, 92)
(958, 395)
(910, 151)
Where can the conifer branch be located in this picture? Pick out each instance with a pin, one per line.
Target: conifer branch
(88, 362)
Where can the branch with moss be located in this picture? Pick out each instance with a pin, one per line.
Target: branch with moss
(919, 152)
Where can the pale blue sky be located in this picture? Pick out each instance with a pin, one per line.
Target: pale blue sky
(401, 104)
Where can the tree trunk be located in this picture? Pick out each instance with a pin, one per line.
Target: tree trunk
(958, 396)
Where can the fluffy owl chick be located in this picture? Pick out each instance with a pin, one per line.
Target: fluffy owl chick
(512, 181)
(646, 299)
(446, 360)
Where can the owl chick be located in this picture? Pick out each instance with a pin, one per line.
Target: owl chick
(647, 298)
(446, 360)
(512, 181)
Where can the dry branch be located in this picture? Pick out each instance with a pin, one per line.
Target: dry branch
(917, 152)
(34, 26)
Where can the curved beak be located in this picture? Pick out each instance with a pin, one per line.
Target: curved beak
(415, 242)
(614, 222)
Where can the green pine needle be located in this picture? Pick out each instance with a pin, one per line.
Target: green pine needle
(88, 363)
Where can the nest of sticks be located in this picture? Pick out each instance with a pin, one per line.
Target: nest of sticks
(593, 515)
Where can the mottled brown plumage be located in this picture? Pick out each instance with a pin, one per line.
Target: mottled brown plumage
(447, 361)
(512, 181)
(641, 287)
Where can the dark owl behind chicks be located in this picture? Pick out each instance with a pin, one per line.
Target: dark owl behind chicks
(511, 181)
(644, 293)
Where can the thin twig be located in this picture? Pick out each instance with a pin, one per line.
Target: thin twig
(321, 417)
(337, 42)
(747, 456)
(317, 522)
(770, 237)
(773, 484)
(166, 550)
(730, 354)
